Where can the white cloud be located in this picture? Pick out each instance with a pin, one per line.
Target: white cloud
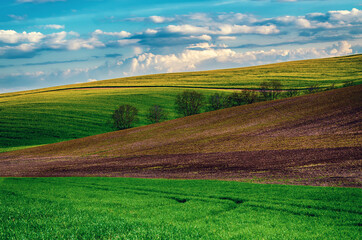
(35, 41)
(121, 34)
(345, 16)
(204, 45)
(52, 26)
(160, 19)
(222, 29)
(226, 38)
(329, 20)
(151, 31)
(11, 36)
(187, 29)
(207, 55)
(244, 29)
(341, 48)
(16, 17)
(76, 44)
(137, 50)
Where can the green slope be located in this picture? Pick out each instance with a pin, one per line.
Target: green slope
(62, 113)
(117, 208)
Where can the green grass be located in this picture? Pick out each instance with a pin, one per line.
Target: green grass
(62, 113)
(116, 208)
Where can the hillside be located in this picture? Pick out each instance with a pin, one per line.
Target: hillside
(50, 115)
(311, 139)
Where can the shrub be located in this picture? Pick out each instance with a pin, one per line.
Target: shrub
(242, 97)
(234, 99)
(291, 93)
(348, 83)
(189, 102)
(217, 101)
(271, 89)
(156, 114)
(313, 88)
(124, 117)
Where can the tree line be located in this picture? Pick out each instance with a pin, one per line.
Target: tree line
(190, 102)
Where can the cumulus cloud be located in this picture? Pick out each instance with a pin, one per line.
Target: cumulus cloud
(29, 44)
(208, 55)
(11, 36)
(341, 48)
(331, 19)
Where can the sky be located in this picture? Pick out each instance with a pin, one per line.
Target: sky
(47, 43)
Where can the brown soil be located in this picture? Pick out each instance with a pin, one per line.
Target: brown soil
(328, 167)
(313, 139)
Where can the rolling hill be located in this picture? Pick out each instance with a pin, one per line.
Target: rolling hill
(312, 139)
(57, 114)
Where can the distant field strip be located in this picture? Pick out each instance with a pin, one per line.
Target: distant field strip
(114, 208)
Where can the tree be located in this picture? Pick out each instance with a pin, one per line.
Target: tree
(124, 116)
(242, 97)
(189, 102)
(217, 101)
(265, 89)
(156, 114)
(235, 99)
(271, 89)
(249, 97)
(291, 93)
(276, 86)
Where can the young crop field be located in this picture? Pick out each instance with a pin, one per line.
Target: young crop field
(121, 208)
(58, 114)
(35, 119)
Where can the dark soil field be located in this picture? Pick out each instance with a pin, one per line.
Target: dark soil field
(311, 140)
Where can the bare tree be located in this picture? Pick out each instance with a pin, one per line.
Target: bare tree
(156, 114)
(124, 117)
(189, 102)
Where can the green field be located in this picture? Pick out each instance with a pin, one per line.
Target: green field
(62, 113)
(35, 119)
(121, 208)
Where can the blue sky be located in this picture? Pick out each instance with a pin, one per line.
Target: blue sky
(55, 42)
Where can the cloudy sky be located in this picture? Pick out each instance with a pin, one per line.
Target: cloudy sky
(55, 42)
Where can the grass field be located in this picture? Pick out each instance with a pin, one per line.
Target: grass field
(116, 208)
(58, 114)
